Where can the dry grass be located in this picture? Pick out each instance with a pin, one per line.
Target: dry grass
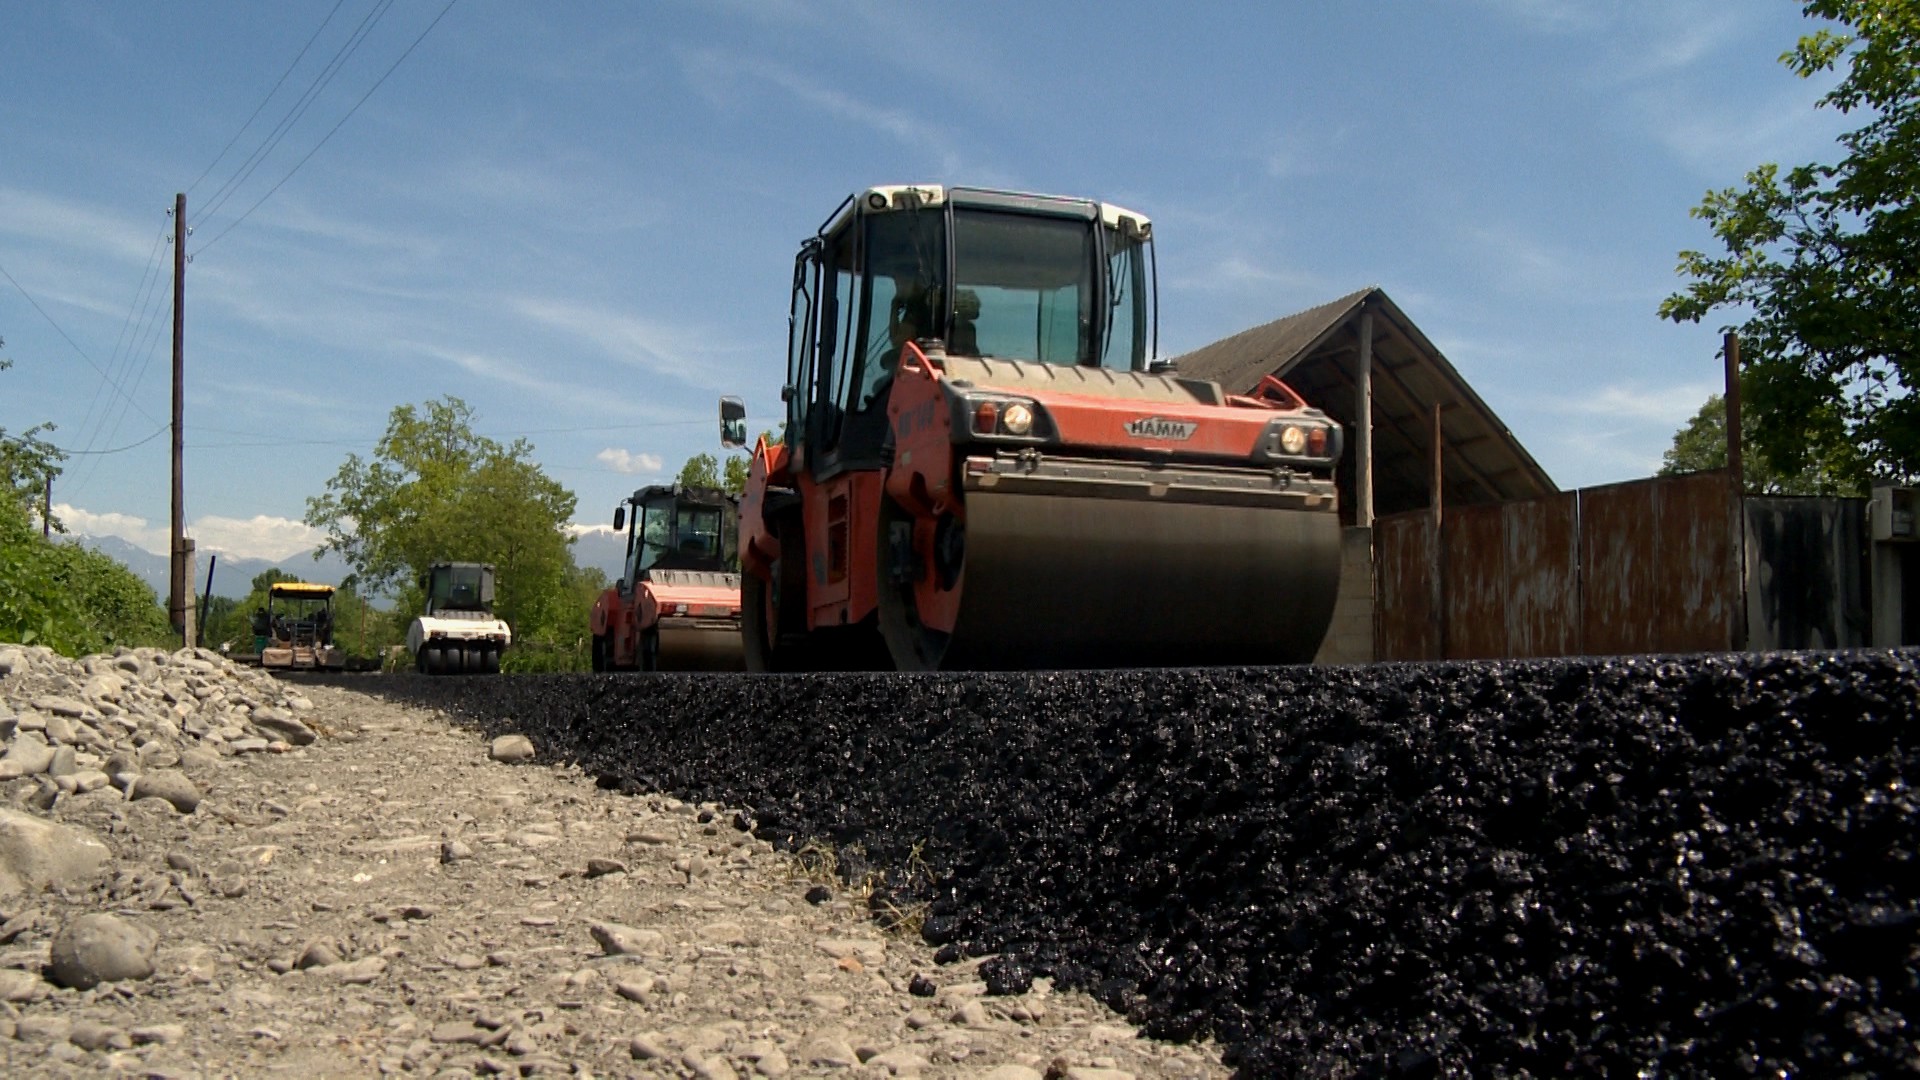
(819, 863)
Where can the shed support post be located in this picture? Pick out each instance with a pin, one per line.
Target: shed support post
(1363, 425)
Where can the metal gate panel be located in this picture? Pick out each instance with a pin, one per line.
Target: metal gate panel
(1806, 573)
(1542, 539)
(1512, 584)
(1476, 584)
(1405, 615)
(1660, 574)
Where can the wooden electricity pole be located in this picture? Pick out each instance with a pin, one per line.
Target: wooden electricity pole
(178, 603)
(1730, 350)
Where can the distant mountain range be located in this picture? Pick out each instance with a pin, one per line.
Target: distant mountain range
(233, 576)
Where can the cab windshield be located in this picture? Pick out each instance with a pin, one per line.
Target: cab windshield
(1031, 287)
(684, 536)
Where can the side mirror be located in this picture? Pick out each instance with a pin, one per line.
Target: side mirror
(733, 424)
(619, 518)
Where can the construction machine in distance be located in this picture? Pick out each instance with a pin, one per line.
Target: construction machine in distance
(983, 466)
(458, 634)
(677, 605)
(298, 625)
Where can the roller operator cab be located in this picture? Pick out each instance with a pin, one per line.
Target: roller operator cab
(676, 606)
(983, 465)
(458, 633)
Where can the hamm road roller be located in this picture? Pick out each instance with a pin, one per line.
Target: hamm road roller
(676, 606)
(983, 465)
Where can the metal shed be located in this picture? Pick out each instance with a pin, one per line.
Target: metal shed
(1363, 348)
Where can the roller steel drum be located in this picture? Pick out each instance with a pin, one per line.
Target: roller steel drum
(1064, 581)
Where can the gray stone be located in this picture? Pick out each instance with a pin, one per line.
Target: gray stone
(247, 746)
(158, 1034)
(20, 987)
(318, 954)
(167, 784)
(62, 763)
(647, 1047)
(358, 972)
(279, 724)
(94, 1035)
(60, 706)
(36, 854)
(29, 755)
(103, 688)
(98, 948)
(62, 730)
(512, 749)
(619, 940)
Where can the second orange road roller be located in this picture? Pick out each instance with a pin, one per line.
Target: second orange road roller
(676, 606)
(983, 465)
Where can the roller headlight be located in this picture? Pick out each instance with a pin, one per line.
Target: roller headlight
(1017, 419)
(1293, 440)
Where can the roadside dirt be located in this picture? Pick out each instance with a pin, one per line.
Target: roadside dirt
(391, 899)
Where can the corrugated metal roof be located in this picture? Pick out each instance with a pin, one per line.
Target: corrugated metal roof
(1315, 352)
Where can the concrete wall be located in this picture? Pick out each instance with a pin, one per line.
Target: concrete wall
(1349, 638)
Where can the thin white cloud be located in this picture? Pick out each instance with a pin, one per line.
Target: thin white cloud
(37, 216)
(134, 530)
(577, 530)
(257, 537)
(629, 463)
(718, 75)
(1665, 405)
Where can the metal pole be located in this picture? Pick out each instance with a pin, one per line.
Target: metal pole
(178, 584)
(1439, 543)
(1737, 480)
(46, 512)
(1731, 350)
(1363, 425)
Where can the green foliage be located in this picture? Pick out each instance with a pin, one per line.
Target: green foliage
(69, 598)
(1825, 261)
(705, 470)
(1702, 445)
(701, 470)
(436, 491)
(27, 462)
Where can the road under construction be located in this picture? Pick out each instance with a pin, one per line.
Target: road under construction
(1637, 865)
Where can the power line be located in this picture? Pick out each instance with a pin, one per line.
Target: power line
(263, 101)
(297, 110)
(336, 127)
(69, 340)
(159, 431)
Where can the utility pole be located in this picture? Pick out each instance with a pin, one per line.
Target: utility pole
(178, 585)
(46, 511)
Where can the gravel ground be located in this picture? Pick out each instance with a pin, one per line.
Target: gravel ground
(394, 897)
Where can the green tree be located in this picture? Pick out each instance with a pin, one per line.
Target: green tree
(71, 599)
(27, 463)
(1825, 261)
(705, 470)
(1702, 445)
(436, 491)
(701, 470)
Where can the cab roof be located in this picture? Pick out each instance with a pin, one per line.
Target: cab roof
(909, 196)
(299, 588)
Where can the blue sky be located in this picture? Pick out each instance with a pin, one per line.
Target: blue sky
(580, 218)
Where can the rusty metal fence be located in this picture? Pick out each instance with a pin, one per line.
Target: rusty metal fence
(1647, 566)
